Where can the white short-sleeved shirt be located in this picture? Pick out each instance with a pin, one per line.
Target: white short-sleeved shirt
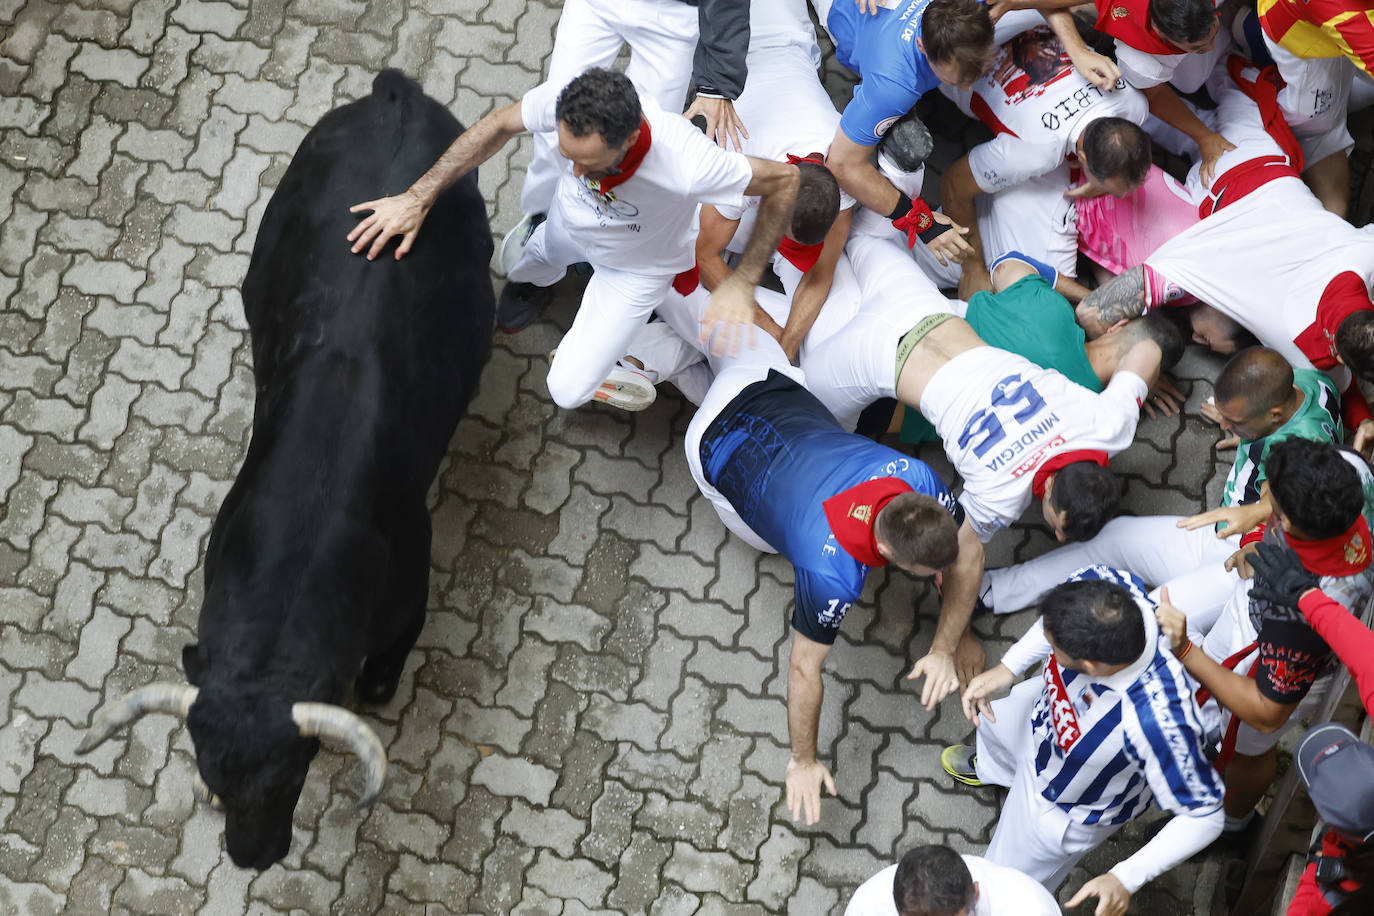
(1001, 890)
(1038, 115)
(1001, 417)
(1145, 70)
(647, 224)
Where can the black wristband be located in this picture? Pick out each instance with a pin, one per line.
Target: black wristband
(903, 207)
(936, 228)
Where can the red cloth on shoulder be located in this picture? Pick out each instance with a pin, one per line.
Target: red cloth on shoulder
(1129, 21)
(852, 512)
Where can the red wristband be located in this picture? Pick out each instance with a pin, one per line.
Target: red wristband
(915, 221)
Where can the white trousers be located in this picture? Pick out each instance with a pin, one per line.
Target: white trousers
(1033, 835)
(858, 365)
(662, 35)
(1315, 100)
(615, 305)
(1153, 547)
(733, 374)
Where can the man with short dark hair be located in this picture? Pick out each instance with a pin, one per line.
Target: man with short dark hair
(1261, 661)
(1109, 727)
(1260, 400)
(1040, 120)
(785, 478)
(937, 881)
(626, 203)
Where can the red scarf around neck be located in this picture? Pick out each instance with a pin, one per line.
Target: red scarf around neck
(631, 160)
(1343, 555)
(852, 512)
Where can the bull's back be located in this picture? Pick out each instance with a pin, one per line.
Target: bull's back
(426, 319)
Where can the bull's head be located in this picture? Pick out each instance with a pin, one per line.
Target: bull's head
(252, 760)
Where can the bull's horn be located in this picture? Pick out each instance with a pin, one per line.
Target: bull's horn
(325, 720)
(175, 699)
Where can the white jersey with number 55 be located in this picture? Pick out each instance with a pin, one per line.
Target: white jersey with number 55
(1001, 417)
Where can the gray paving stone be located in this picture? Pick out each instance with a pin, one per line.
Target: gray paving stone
(515, 777)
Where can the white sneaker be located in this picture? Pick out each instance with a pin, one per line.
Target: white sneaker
(627, 388)
(513, 245)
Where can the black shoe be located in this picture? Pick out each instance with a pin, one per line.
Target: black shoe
(519, 305)
(907, 143)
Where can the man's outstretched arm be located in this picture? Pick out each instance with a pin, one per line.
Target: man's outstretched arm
(959, 591)
(732, 301)
(402, 214)
(1123, 296)
(805, 774)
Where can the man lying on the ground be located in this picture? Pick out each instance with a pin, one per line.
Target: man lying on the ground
(784, 477)
(1029, 318)
(1042, 113)
(1012, 429)
(1260, 399)
(1303, 291)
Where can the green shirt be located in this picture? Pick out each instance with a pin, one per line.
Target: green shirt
(1029, 319)
(1318, 417)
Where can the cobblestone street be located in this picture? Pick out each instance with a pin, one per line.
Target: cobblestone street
(593, 719)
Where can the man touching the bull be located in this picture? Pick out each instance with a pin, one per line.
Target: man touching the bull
(626, 202)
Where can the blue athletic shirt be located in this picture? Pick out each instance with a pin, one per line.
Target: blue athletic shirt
(882, 50)
(777, 454)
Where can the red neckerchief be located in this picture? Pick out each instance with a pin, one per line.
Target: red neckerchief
(1129, 20)
(1063, 717)
(1343, 296)
(802, 257)
(851, 513)
(631, 160)
(1343, 555)
(1059, 461)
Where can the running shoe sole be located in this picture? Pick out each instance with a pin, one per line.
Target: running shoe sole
(958, 761)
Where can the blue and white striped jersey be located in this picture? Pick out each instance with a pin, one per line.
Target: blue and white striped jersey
(1106, 747)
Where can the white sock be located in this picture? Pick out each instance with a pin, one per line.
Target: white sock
(1234, 824)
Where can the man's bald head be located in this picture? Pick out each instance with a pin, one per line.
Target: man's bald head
(1258, 377)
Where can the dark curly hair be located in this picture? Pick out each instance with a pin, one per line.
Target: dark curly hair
(600, 101)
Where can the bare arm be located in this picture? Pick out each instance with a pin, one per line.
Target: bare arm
(715, 233)
(732, 301)
(960, 590)
(809, 297)
(805, 774)
(958, 188)
(403, 214)
(855, 172)
(1169, 108)
(1121, 297)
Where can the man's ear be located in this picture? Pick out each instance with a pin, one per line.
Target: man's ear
(920, 45)
(1116, 327)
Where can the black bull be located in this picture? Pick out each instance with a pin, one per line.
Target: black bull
(316, 574)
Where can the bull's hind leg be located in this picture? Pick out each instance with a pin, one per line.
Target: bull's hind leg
(381, 673)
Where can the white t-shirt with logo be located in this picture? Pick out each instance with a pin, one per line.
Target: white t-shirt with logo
(1001, 417)
(647, 224)
(1002, 891)
(1037, 115)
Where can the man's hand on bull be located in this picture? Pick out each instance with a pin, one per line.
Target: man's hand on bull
(729, 317)
(723, 123)
(391, 216)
